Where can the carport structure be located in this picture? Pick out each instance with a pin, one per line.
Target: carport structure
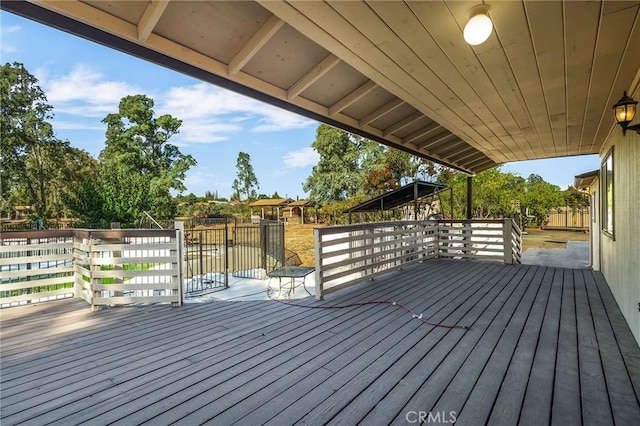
(409, 194)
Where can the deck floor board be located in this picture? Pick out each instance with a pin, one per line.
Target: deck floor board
(545, 345)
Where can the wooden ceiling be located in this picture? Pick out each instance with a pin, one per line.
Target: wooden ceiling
(397, 72)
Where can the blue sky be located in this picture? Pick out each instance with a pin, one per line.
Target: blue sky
(84, 82)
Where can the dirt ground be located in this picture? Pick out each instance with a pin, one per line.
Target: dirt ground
(299, 238)
(545, 238)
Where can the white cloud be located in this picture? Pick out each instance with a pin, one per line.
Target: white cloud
(202, 131)
(204, 101)
(197, 178)
(84, 92)
(302, 158)
(72, 125)
(11, 29)
(4, 46)
(209, 114)
(7, 48)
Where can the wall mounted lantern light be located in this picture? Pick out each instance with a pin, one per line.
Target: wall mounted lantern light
(625, 111)
(479, 26)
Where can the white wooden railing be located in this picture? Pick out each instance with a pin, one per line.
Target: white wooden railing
(346, 255)
(103, 267)
(481, 239)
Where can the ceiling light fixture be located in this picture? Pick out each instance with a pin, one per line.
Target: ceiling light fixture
(479, 26)
(625, 111)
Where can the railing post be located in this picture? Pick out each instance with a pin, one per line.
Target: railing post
(281, 242)
(368, 249)
(507, 230)
(77, 276)
(318, 274)
(95, 282)
(439, 243)
(226, 253)
(179, 227)
(29, 266)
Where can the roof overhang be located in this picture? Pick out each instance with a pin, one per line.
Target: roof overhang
(398, 73)
(585, 180)
(271, 202)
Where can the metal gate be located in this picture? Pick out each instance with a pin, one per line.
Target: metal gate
(207, 256)
(214, 247)
(257, 248)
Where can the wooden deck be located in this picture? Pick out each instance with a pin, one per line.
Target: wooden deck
(545, 345)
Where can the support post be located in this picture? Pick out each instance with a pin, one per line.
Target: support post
(469, 197)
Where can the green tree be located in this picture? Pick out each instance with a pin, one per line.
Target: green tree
(246, 183)
(138, 166)
(85, 200)
(337, 176)
(575, 199)
(79, 169)
(494, 193)
(540, 197)
(394, 169)
(32, 159)
(404, 167)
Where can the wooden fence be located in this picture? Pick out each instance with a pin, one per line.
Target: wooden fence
(348, 254)
(103, 267)
(567, 218)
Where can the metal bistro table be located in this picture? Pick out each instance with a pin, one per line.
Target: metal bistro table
(293, 272)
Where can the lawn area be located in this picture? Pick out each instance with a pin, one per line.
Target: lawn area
(299, 238)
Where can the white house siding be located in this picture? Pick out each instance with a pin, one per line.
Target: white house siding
(620, 256)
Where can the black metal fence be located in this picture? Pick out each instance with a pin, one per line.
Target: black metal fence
(257, 248)
(216, 248)
(207, 259)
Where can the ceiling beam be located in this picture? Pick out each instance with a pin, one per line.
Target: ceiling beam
(471, 154)
(482, 163)
(150, 18)
(484, 167)
(403, 123)
(437, 141)
(259, 39)
(313, 75)
(384, 109)
(460, 147)
(421, 132)
(352, 97)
